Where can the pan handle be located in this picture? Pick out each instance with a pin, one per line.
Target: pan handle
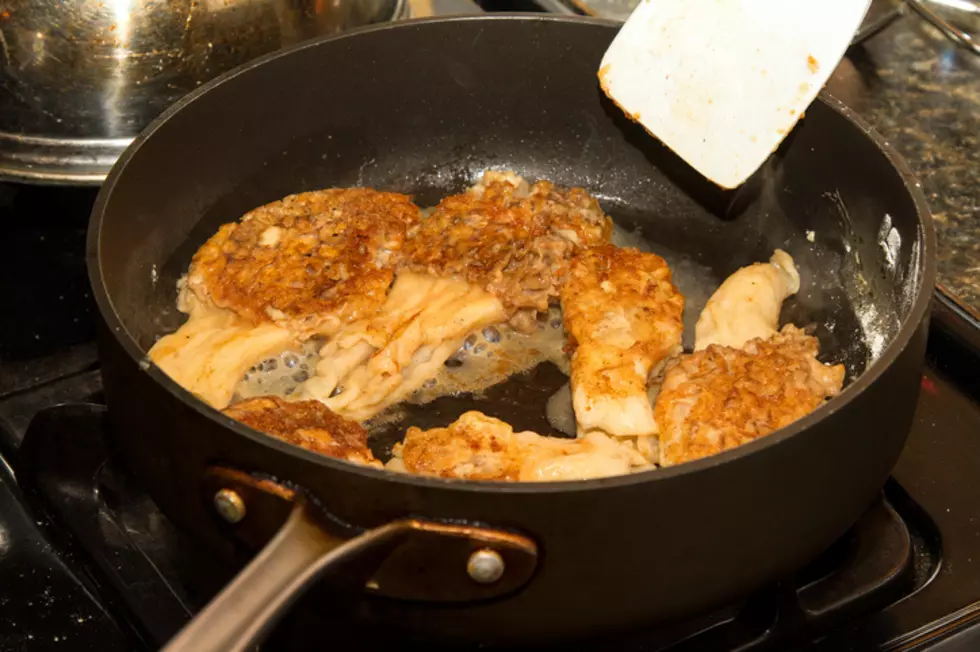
(299, 553)
(459, 562)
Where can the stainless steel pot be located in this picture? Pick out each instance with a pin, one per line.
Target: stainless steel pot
(80, 79)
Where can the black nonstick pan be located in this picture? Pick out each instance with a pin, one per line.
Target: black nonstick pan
(424, 107)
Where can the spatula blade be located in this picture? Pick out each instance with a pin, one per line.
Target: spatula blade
(722, 82)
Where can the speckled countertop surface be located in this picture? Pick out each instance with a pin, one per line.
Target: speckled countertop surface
(923, 94)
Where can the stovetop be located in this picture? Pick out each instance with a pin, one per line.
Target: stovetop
(87, 561)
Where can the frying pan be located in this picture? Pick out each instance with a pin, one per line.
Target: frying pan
(424, 107)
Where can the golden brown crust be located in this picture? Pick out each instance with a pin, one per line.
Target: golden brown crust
(474, 447)
(624, 314)
(478, 447)
(636, 286)
(721, 397)
(308, 424)
(509, 238)
(309, 262)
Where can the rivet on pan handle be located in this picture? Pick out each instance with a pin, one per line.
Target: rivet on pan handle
(408, 558)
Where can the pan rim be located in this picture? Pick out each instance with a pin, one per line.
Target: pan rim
(926, 274)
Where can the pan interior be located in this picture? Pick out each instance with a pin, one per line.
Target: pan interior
(432, 105)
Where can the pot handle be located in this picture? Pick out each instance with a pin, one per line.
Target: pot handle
(302, 551)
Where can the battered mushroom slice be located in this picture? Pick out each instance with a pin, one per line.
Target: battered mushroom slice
(625, 316)
(509, 238)
(309, 424)
(478, 447)
(722, 397)
(309, 262)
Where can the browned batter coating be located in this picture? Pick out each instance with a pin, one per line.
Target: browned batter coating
(308, 424)
(478, 447)
(624, 314)
(474, 447)
(507, 237)
(722, 397)
(309, 262)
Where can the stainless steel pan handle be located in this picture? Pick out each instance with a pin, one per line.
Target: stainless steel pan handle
(247, 608)
(458, 563)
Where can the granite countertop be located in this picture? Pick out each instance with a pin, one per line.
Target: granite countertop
(922, 93)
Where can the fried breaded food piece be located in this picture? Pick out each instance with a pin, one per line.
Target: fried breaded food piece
(308, 424)
(309, 262)
(508, 238)
(721, 397)
(377, 362)
(625, 316)
(478, 447)
(208, 355)
(747, 304)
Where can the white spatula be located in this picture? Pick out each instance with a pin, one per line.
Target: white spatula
(721, 82)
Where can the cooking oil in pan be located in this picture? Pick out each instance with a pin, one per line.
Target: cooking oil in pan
(495, 353)
(280, 375)
(500, 371)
